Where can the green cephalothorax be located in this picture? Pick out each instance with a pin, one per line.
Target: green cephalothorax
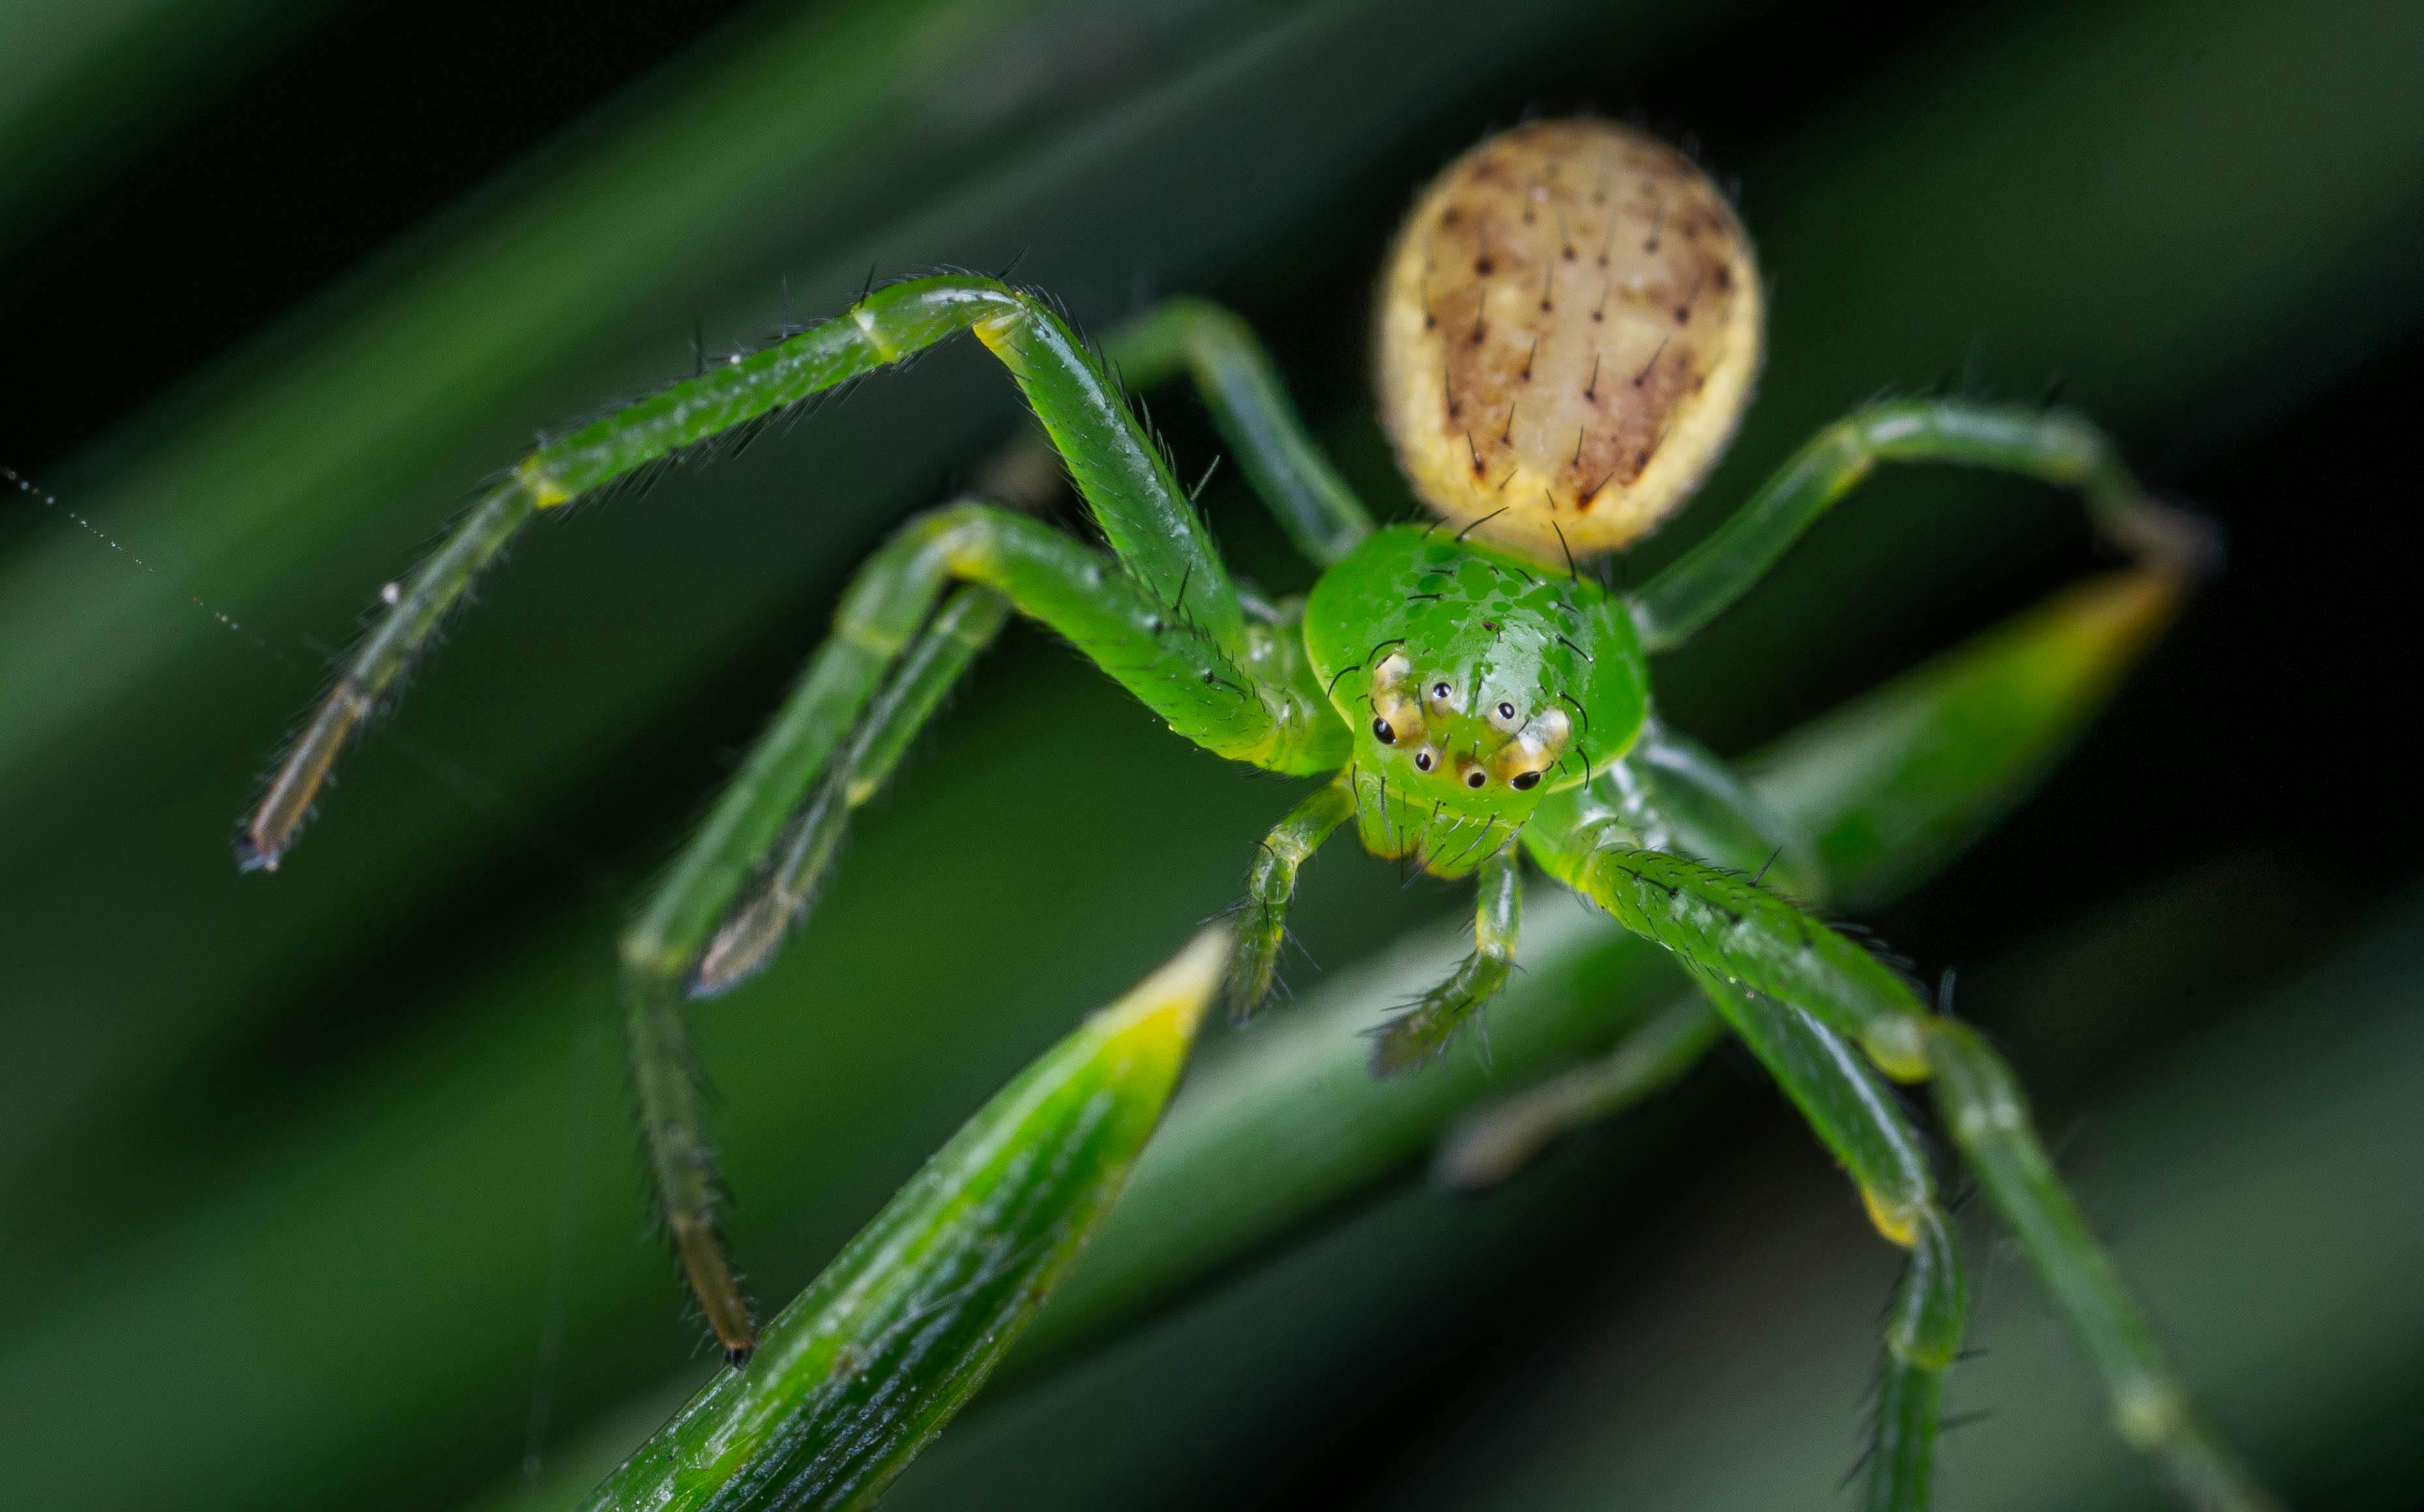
(1475, 684)
(1570, 326)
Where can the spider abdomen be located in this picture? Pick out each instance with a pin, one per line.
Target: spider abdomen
(1569, 329)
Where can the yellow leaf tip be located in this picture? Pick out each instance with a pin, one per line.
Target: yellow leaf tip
(1171, 1001)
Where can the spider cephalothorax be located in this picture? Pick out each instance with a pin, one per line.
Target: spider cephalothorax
(1568, 333)
(1475, 683)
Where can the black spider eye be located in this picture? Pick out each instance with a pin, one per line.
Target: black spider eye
(1440, 691)
(1422, 760)
(1523, 782)
(1382, 733)
(1507, 712)
(1475, 778)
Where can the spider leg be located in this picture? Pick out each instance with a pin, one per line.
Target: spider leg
(1674, 794)
(1270, 883)
(1422, 1030)
(1738, 938)
(958, 634)
(1935, 754)
(1124, 479)
(1164, 619)
(1238, 381)
(1251, 408)
(2053, 447)
(1008, 560)
(836, 735)
(1858, 1120)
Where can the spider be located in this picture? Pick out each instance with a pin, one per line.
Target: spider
(1569, 328)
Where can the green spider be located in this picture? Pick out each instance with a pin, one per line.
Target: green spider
(1568, 328)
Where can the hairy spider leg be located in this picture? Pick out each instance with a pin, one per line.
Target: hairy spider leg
(1923, 1330)
(1422, 1030)
(1125, 480)
(1234, 375)
(1857, 1119)
(1933, 750)
(1694, 793)
(1270, 882)
(1731, 933)
(1251, 409)
(1670, 793)
(1167, 661)
(1667, 788)
(1174, 583)
(1675, 794)
(1976, 723)
(416, 608)
(2054, 447)
(969, 621)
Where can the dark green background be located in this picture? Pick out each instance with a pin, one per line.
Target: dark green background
(304, 1175)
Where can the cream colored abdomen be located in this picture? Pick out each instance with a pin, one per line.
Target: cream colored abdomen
(1569, 329)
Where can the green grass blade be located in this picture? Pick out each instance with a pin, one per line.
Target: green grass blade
(866, 1366)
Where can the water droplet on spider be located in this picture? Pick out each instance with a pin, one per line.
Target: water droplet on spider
(390, 594)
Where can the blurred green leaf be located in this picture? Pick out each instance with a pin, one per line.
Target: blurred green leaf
(88, 86)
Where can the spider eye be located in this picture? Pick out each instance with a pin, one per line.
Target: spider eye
(1382, 733)
(1422, 760)
(1507, 712)
(1439, 692)
(1475, 777)
(1523, 782)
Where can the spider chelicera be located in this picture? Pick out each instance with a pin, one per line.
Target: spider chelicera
(1569, 328)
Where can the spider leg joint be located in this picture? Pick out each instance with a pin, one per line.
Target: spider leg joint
(541, 484)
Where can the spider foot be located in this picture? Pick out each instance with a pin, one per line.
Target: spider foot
(1255, 964)
(1415, 1037)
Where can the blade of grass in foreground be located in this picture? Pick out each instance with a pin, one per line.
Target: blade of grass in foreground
(866, 1366)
